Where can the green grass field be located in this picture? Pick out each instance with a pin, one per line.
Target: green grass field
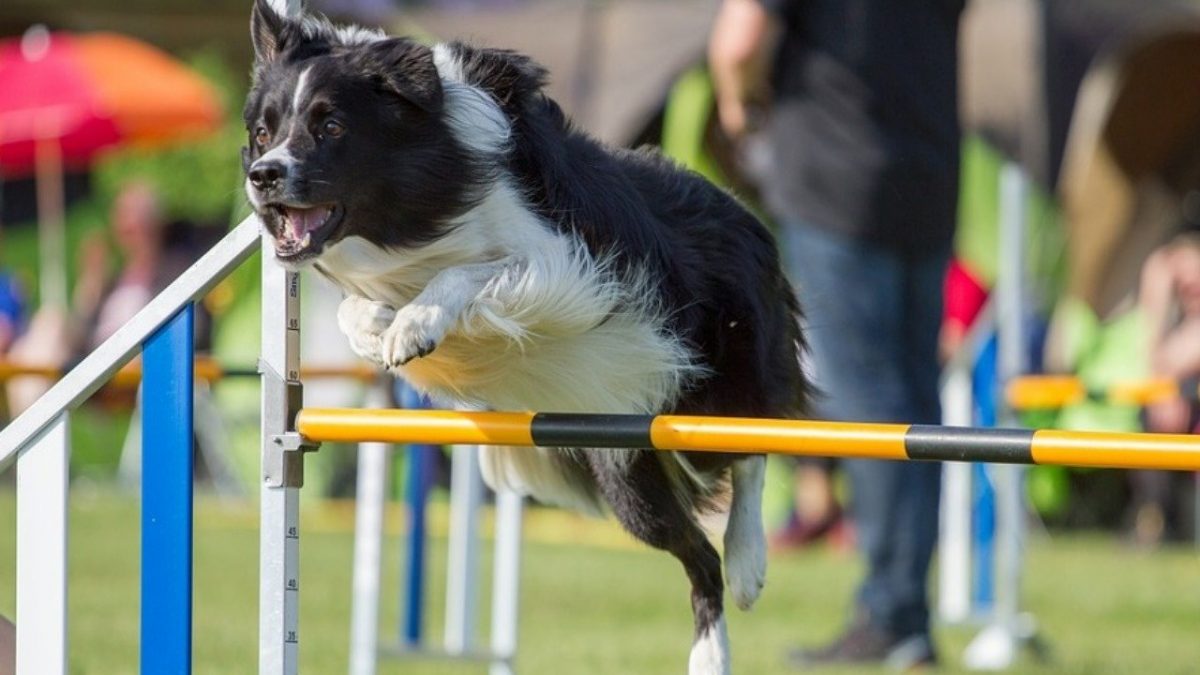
(591, 601)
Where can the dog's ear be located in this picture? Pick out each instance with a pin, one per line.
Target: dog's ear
(406, 68)
(270, 31)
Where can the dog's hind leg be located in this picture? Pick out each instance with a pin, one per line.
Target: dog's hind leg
(644, 501)
(745, 542)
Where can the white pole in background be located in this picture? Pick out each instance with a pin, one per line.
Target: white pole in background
(1013, 362)
(462, 567)
(506, 581)
(996, 647)
(374, 460)
(954, 538)
(52, 228)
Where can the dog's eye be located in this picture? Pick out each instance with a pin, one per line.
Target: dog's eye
(262, 137)
(332, 128)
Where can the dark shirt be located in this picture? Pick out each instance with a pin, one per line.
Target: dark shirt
(864, 124)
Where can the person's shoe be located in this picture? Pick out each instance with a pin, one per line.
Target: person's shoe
(799, 533)
(864, 643)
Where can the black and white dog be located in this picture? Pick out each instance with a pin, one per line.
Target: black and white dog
(493, 255)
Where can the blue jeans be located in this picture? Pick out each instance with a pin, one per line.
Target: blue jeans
(872, 317)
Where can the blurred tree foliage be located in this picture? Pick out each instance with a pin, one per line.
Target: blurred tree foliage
(199, 180)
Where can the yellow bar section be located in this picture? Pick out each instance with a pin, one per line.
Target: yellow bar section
(1033, 392)
(10, 370)
(1030, 392)
(792, 437)
(359, 372)
(437, 427)
(1117, 451)
(1143, 393)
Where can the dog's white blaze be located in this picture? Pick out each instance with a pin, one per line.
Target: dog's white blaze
(279, 153)
(298, 96)
(745, 542)
(710, 652)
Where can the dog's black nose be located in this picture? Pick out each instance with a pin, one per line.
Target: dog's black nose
(265, 175)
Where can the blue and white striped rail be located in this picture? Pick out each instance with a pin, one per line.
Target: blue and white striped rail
(38, 441)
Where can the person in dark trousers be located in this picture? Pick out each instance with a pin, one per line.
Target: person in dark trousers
(859, 117)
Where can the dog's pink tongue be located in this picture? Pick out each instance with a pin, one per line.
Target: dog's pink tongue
(303, 221)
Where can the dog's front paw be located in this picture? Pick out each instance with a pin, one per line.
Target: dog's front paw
(415, 332)
(364, 322)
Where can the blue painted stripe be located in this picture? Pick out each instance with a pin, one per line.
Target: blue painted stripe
(166, 635)
(421, 465)
(420, 457)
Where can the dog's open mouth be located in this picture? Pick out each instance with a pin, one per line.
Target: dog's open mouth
(302, 230)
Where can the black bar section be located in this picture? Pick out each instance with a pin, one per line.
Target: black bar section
(238, 372)
(566, 430)
(961, 444)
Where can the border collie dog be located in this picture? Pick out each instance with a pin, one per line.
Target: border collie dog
(495, 256)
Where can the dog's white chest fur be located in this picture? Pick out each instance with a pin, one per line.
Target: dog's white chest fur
(533, 322)
(504, 311)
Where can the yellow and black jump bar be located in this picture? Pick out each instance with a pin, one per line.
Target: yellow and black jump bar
(753, 436)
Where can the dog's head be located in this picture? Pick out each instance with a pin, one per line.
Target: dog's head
(347, 137)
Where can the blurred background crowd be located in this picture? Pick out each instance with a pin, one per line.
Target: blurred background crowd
(119, 165)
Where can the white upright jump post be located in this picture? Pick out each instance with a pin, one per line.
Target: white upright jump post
(374, 461)
(462, 566)
(42, 552)
(282, 471)
(506, 581)
(996, 647)
(954, 542)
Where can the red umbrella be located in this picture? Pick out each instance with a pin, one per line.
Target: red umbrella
(64, 98)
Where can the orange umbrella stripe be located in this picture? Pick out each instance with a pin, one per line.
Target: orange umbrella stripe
(146, 92)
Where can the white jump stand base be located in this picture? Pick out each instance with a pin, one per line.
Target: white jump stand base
(997, 646)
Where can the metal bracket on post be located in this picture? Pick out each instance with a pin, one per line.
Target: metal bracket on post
(284, 466)
(288, 470)
(294, 442)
